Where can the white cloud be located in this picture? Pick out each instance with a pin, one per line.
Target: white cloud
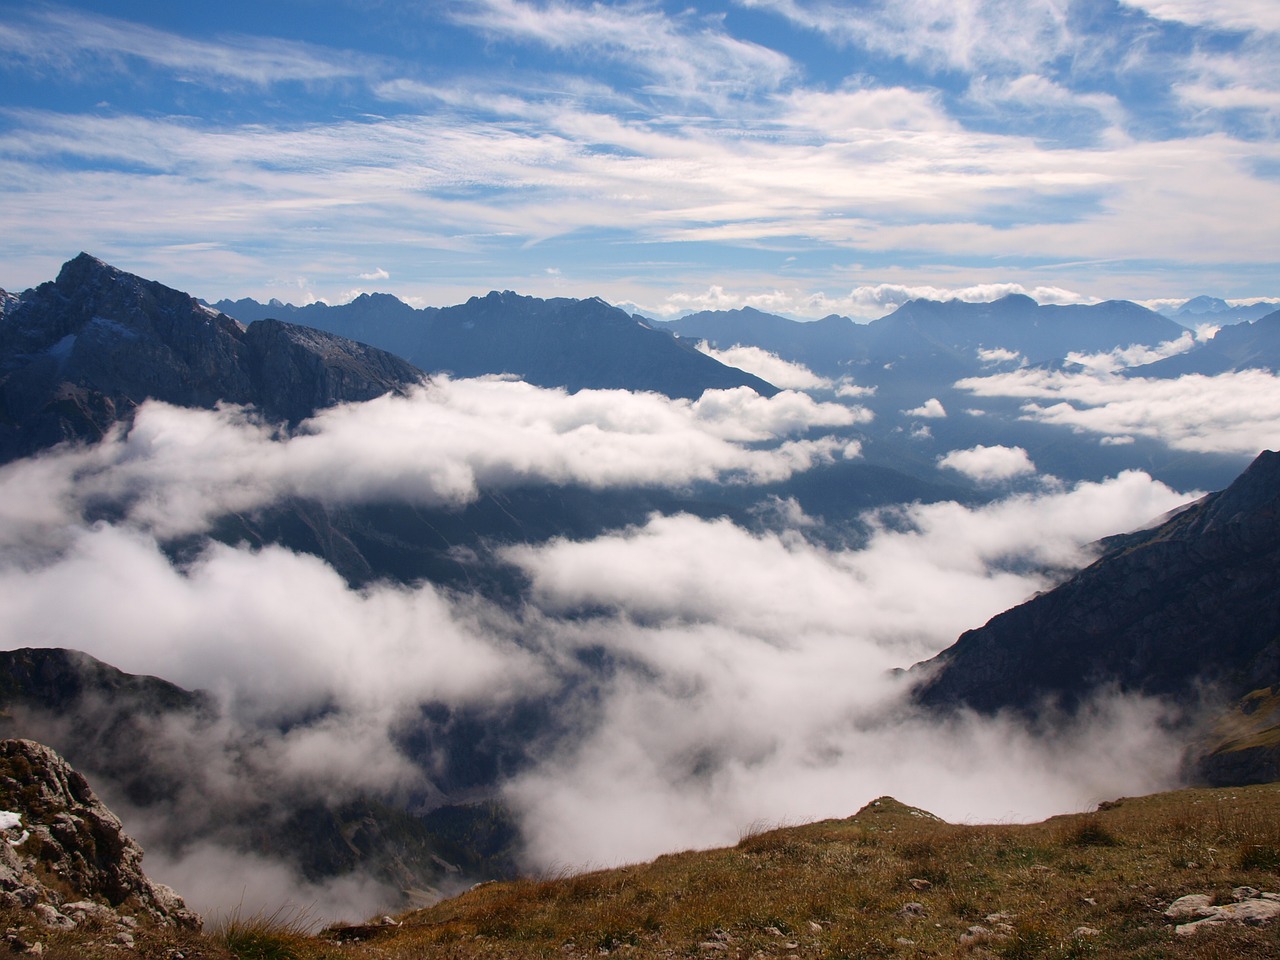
(989, 464)
(930, 409)
(1225, 14)
(730, 716)
(682, 60)
(1000, 35)
(377, 274)
(1138, 354)
(998, 355)
(721, 709)
(769, 366)
(176, 469)
(1232, 413)
(66, 39)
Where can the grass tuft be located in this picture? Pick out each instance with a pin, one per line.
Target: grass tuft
(283, 934)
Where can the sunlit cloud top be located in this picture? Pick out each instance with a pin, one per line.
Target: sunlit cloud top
(803, 157)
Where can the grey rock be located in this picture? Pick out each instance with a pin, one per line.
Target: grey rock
(1261, 908)
(1192, 905)
(77, 839)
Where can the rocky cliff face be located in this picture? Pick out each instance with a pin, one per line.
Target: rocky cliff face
(1188, 607)
(82, 352)
(65, 860)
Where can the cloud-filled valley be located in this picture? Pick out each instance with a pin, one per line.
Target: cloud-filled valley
(698, 674)
(840, 423)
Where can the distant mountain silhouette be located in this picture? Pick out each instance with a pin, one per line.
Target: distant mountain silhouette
(1214, 310)
(81, 352)
(1242, 346)
(561, 342)
(934, 340)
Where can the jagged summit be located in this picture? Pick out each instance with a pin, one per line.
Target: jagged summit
(83, 351)
(554, 342)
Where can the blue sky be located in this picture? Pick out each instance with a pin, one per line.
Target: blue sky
(800, 156)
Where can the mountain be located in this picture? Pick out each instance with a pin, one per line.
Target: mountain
(827, 346)
(935, 339)
(1243, 346)
(80, 353)
(561, 342)
(1214, 310)
(1185, 610)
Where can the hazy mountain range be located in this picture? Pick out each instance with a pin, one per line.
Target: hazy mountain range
(552, 569)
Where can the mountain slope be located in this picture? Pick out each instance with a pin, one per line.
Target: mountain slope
(1243, 346)
(896, 881)
(1188, 608)
(560, 342)
(83, 351)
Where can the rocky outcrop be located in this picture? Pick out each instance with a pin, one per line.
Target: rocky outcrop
(65, 857)
(82, 352)
(1249, 907)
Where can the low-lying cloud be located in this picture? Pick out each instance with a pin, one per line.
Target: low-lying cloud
(176, 469)
(748, 671)
(1231, 413)
(989, 464)
(769, 366)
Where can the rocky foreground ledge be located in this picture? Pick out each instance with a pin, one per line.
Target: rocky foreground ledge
(65, 860)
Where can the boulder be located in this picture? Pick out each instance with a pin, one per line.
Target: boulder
(65, 855)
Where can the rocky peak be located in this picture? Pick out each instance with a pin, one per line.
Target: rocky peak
(81, 352)
(66, 856)
(1254, 498)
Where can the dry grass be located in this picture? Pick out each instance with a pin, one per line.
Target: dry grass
(840, 888)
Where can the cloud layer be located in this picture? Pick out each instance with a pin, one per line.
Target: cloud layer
(1232, 413)
(747, 670)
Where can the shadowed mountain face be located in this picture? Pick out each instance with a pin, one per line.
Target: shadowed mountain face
(561, 342)
(1187, 608)
(82, 352)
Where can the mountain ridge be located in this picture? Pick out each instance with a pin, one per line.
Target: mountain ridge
(557, 342)
(80, 353)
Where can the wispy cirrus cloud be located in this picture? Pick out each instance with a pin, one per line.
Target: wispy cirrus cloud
(1223, 14)
(76, 42)
(965, 36)
(683, 56)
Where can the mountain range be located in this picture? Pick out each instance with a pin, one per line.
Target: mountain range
(574, 344)
(1184, 610)
(935, 340)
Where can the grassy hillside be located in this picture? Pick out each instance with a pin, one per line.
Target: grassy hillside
(891, 881)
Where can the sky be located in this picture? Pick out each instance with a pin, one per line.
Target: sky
(800, 156)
